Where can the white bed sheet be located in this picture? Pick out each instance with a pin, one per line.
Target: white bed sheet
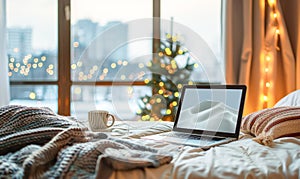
(240, 159)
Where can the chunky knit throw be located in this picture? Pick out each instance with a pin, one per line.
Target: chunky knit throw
(37, 143)
(272, 123)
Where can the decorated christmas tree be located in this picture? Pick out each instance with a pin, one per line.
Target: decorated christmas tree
(171, 68)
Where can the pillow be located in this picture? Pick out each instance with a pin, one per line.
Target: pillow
(272, 123)
(292, 99)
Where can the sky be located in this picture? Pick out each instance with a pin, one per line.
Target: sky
(202, 16)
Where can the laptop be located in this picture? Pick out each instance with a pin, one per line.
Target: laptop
(207, 115)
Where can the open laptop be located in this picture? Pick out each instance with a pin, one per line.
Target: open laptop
(207, 115)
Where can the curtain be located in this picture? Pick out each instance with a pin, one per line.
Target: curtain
(261, 48)
(4, 81)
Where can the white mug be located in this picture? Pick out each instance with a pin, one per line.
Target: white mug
(98, 120)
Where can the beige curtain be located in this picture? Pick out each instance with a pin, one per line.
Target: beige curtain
(262, 48)
(4, 81)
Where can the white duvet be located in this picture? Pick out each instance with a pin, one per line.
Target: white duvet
(240, 159)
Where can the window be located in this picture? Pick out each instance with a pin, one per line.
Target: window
(98, 59)
(32, 55)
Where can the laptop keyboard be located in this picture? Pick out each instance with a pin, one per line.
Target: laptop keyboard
(190, 136)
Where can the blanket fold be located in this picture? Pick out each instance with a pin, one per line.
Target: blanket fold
(37, 143)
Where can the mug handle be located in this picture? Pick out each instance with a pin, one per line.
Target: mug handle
(113, 120)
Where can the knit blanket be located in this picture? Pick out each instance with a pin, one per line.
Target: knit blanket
(37, 143)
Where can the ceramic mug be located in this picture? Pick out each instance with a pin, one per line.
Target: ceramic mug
(98, 120)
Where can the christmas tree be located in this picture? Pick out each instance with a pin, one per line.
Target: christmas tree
(171, 68)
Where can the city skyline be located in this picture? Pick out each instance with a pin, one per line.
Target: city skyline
(44, 20)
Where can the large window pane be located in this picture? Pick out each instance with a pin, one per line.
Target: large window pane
(197, 25)
(111, 40)
(32, 40)
(122, 101)
(34, 95)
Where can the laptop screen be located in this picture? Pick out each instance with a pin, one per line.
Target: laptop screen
(212, 109)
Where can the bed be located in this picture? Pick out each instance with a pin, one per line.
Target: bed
(37, 143)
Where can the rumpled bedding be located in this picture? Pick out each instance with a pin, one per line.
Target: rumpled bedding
(36, 143)
(67, 150)
(243, 158)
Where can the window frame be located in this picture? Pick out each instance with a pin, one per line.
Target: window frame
(64, 82)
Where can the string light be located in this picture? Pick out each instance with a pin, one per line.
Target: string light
(268, 56)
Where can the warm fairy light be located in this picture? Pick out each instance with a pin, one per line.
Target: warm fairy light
(272, 2)
(275, 15)
(141, 65)
(119, 62)
(51, 66)
(79, 63)
(77, 90)
(95, 67)
(101, 77)
(161, 84)
(32, 95)
(196, 65)
(176, 94)
(76, 44)
(158, 100)
(174, 66)
(149, 64)
(51, 72)
(145, 117)
(105, 70)
(152, 119)
(36, 60)
(268, 58)
(43, 58)
(146, 81)
(277, 31)
(265, 98)
(145, 100)
(268, 84)
(40, 64)
(123, 77)
(179, 86)
(168, 36)
(168, 111)
(160, 54)
(160, 91)
(168, 51)
(139, 111)
(180, 52)
(174, 38)
(174, 103)
(85, 77)
(125, 63)
(266, 70)
(113, 65)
